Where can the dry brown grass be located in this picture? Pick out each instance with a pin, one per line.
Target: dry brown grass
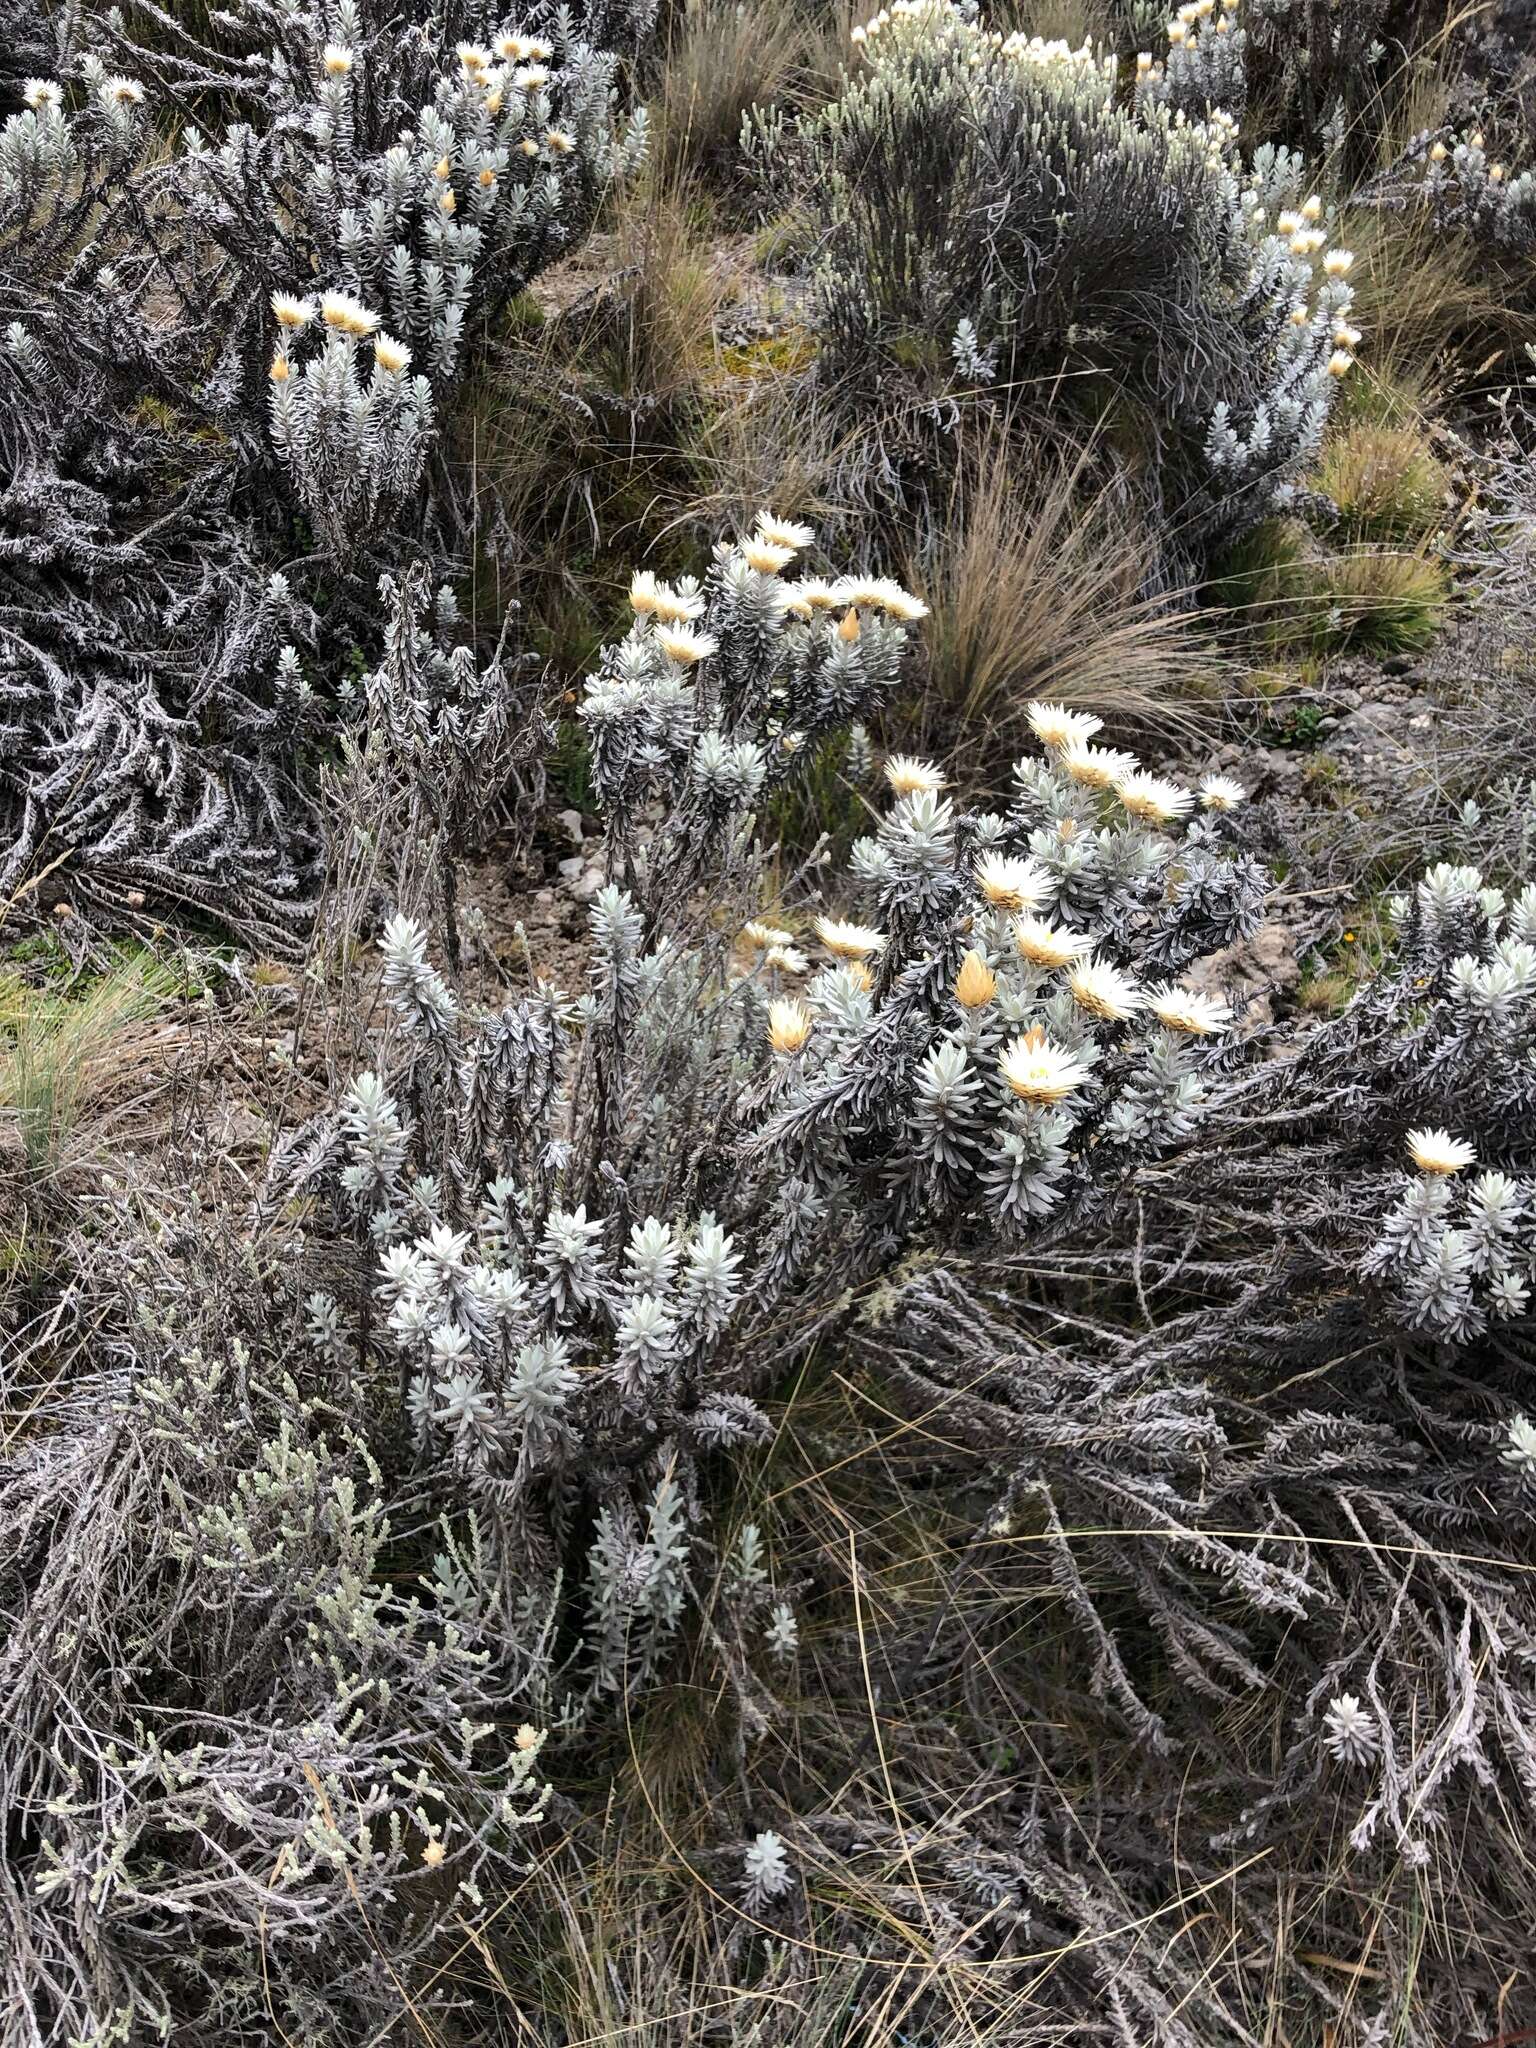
(721, 59)
(1435, 312)
(1036, 582)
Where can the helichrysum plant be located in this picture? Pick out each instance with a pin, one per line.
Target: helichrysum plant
(1337, 1274)
(1319, 76)
(596, 1226)
(224, 372)
(1102, 216)
(239, 1751)
(1461, 185)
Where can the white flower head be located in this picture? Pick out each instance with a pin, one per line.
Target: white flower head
(1103, 991)
(1039, 1071)
(337, 60)
(685, 646)
(881, 594)
(348, 315)
(291, 311)
(392, 356)
(1152, 797)
(649, 597)
(908, 776)
(1010, 883)
(765, 556)
(760, 936)
(1054, 726)
(1434, 1150)
(39, 93)
(811, 594)
(1189, 1010)
(1044, 944)
(783, 533)
(1221, 793)
(848, 941)
(1095, 767)
(789, 1024)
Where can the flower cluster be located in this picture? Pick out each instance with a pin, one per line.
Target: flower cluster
(434, 213)
(723, 689)
(353, 443)
(301, 272)
(1206, 65)
(1009, 1026)
(1464, 188)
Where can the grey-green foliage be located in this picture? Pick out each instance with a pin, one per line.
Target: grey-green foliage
(235, 1749)
(1206, 65)
(579, 1287)
(598, 1227)
(1460, 1255)
(1103, 220)
(1316, 74)
(223, 385)
(437, 744)
(1456, 182)
(1289, 1515)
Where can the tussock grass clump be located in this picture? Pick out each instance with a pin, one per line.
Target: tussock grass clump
(59, 1049)
(1036, 576)
(1302, 596)
(717, 61)
(1386, 482)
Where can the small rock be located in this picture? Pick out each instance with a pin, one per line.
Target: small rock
(571, 824)
(1251, 973)
(581, 879)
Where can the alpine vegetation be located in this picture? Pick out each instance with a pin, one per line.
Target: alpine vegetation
(767, 1026)
(595, 1227)
(1102, 218)
(1319, 77)
(237, 1751)
(1367, 1199)
(221, 385)
(1461, 185)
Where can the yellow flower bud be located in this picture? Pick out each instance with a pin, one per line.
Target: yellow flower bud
(789, 1024)
(975, 984)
